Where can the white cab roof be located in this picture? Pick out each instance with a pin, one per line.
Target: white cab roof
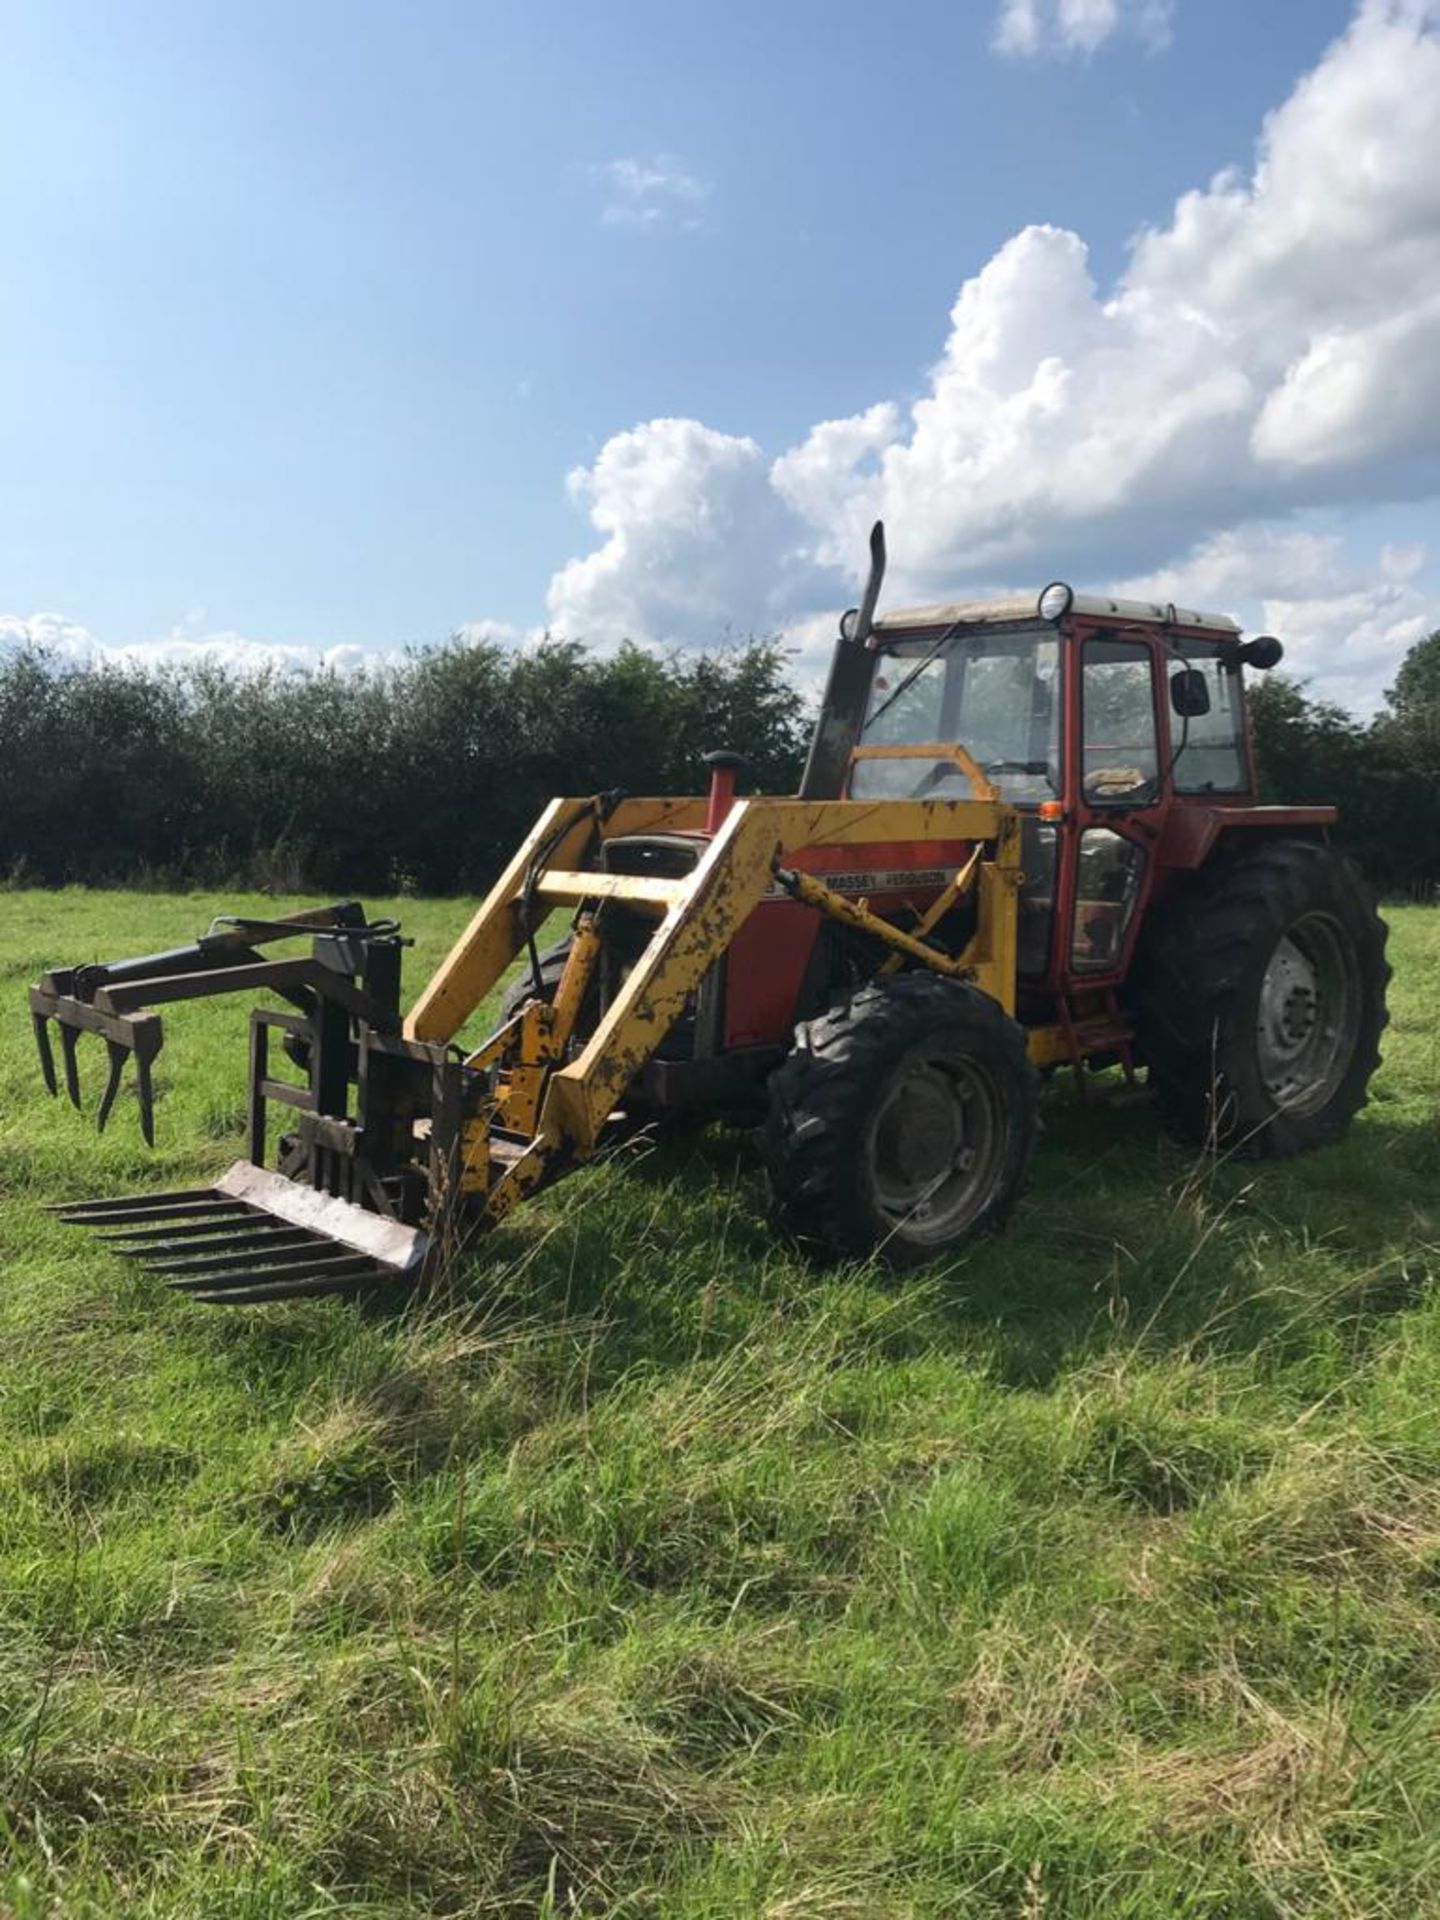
(1021, 606)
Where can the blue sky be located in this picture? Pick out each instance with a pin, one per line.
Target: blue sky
(307, 312)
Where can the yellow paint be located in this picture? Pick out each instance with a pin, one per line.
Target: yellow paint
(980, 786)
(640, 889)
(1048, 1047)
(947, 898)
(563, 1105)
(857, 914)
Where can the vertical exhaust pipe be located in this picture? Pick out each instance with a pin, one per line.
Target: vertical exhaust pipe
(847, 690)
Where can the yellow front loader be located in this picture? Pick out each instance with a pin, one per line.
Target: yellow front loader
(399, 1135)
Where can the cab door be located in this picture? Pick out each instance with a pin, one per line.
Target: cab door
(1115, 804)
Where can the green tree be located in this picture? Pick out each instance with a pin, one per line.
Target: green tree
(419, 774)
(1417, 684)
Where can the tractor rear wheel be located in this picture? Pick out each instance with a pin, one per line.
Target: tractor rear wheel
(1262, 1002)
(901, 1123)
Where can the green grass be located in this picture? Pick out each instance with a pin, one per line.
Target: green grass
(1096, 1574)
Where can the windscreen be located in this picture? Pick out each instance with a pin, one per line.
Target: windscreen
(994, 691)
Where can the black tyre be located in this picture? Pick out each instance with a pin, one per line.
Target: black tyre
(522, 987)
(902, 1122)
(1261, 1001)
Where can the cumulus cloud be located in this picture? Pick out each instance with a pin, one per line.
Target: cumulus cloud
(650, 193)
(1273, 346)
(48, 633)
(488, 632)
(696, 540)
(1033, 27)
(1346, 627)
(52, 633)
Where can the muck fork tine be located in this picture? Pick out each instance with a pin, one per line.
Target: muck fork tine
(119, 1053)
(46, 1051)
(69, 1041)
(145, 1087)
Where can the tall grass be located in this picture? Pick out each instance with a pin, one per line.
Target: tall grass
(653, 1572)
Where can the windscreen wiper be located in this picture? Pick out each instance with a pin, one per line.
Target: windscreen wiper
(911, 677)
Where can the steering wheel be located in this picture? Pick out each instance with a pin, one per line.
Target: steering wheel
(940, 770)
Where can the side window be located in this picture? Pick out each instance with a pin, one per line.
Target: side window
(1209, 747)
(1108, 877)
(1121, 767)
(1037, 894)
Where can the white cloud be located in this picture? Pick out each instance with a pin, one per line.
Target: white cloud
(1273, 346)
(650, 193)
(1033, 27)
(696, 541)
(48, 633)
(189, 644)
(1346, 627)
(487, 632)
(54, 634)
(1348, 645)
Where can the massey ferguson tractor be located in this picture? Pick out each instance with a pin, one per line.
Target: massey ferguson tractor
(1027, 837)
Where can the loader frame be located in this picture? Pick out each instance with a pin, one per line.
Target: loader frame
(551, 1095)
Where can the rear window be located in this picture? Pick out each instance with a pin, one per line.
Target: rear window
(1209, 748)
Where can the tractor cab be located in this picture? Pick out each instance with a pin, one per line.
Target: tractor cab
(1098, 719)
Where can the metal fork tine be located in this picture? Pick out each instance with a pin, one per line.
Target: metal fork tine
(41, 1024)
(343, 1260)
(156, 1202)
(224, 1255)
(144, 1086)
(180, 1210)
(118, 1056)
(139, 1240)
(197, 1246)
(69, 1041)
(305, 1285)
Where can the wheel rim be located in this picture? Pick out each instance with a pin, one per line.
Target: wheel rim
(934, 1145)
(1308, 1014)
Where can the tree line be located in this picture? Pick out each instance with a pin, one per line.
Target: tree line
(421, 774)
(1382, 773)
(417, 775)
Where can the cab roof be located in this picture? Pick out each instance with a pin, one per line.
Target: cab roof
(1022, 606)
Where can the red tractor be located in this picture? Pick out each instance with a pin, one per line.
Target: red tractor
(1027, 837)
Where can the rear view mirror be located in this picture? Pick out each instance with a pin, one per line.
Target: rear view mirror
(1189, 695)
(1264, 652)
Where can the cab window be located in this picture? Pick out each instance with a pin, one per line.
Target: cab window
(992, 690)
(1121, 766)
(1209, 748)
(1108, 871)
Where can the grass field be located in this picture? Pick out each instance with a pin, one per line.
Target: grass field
(1097, 1574)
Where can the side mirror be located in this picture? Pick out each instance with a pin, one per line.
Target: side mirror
(1189, 694)
(1264, 652)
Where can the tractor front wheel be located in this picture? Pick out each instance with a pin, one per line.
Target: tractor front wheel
(1262, 1002)
(522, 988)
(901, 1123)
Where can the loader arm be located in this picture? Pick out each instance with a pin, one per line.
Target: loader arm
(548, 1112)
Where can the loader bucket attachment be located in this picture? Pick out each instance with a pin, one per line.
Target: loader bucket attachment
(255, 1237)
(362, 1179)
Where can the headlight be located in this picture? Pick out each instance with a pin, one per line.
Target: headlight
(1055, 601)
